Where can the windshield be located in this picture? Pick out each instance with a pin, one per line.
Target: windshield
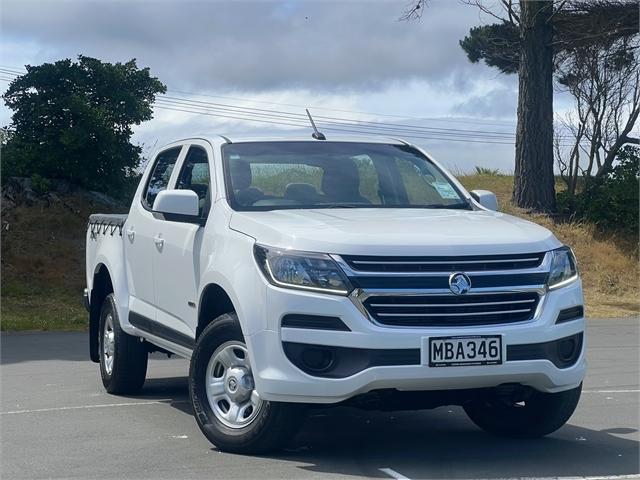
(315, 174)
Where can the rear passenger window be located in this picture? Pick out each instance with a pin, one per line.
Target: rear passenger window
(195, 176)
(160, 175)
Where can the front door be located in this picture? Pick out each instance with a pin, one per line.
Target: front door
(140, 229)
(177, 263)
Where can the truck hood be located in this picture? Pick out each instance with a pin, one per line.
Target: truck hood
(395, 231)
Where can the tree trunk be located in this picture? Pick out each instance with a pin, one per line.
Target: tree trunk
(534, 181)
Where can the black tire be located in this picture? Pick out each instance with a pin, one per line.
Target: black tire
(540, 414)
(275, 423)
(129, 360)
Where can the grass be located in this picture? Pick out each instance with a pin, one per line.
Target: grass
(43, 260)
(43, 265)
(53, 309)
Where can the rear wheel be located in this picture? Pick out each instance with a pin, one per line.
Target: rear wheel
(228, 408)
(536, 415)
(123, 357)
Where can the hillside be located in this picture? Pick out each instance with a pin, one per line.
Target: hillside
(43, 257)
(43, 241)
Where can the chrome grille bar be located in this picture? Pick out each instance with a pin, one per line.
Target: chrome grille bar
(442, 262)
(453, 305)
(468, 314)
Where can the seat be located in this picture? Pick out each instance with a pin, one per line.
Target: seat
(241, 179)
(341, 182)
(305, 193)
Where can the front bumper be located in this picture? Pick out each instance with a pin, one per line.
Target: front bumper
(278, 379)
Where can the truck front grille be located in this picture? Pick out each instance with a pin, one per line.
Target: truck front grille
(451, 310)
(475, 263)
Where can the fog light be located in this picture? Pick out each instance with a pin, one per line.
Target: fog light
(317, 359)
(567, 349)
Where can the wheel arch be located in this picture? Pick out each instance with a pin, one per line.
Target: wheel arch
(101, 286)
(214, 301)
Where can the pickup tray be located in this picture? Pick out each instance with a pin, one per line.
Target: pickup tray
(106, 223)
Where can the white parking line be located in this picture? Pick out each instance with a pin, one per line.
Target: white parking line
(611, 391)
(393, 474)
(398, 476)
(606, 477)
(83, 407)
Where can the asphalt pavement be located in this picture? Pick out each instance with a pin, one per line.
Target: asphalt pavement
(56, 421)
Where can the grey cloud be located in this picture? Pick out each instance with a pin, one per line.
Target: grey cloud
(338, 46)
(500, 102)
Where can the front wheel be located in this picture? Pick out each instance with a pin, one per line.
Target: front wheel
(227, 407)
(537, 415)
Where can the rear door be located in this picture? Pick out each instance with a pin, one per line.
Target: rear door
(140, 229)
(178, 263)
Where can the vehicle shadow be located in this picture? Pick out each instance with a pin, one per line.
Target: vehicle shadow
(173, 391)
(443, 443)
(440, 443)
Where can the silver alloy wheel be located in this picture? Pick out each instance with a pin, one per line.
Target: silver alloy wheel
(230, 388)
(108, 344)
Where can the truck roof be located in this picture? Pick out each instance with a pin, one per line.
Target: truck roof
(284, 137)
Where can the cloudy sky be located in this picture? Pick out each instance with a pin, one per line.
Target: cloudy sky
(353, 61)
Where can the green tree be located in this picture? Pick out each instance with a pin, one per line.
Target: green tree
(73, 121)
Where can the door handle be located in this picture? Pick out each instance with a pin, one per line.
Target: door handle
(131, 233)
(159, 241)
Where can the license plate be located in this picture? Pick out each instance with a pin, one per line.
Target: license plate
(460, 351)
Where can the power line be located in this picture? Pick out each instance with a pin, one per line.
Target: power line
(340, 124)
(328, 123)
(11, 70)
(504, 123)
(405, 117)
(370, 127)
(330, 128)
(335, 120)
(395, 126)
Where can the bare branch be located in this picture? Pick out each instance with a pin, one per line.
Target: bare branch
(557, 10)
(414, 11)
(604, 80)
(484, 9)
(513, 16)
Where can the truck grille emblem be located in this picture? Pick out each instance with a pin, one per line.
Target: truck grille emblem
(459, 283)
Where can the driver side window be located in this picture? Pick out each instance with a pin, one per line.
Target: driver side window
(159, 179)
(195, 176)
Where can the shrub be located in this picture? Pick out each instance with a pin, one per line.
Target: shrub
(612, 200)
(491, 172)
(39, 184)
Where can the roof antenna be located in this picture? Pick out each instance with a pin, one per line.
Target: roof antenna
(316, 134)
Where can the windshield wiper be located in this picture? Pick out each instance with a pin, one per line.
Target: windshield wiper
(337, 205)
(453, 206)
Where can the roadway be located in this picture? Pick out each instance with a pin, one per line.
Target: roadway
(56, 421)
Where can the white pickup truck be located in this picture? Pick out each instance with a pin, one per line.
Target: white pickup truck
(357, 271)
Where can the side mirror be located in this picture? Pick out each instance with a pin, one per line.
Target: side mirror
(485, 198)
(184, 203)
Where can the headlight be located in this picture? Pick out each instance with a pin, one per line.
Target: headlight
(563, 268)
(302, 270)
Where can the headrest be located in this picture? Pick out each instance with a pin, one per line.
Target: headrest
(301, 192)
(240, 174)
(341, 180)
